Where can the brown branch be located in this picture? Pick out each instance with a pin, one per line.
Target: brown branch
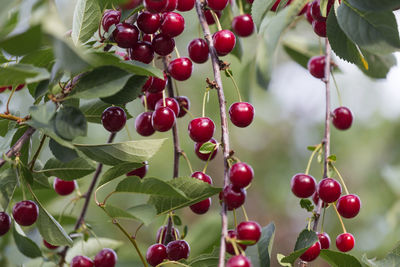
(10, 117)
(224, 123)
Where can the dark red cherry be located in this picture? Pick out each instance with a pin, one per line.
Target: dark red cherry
(163, 119)
(169, 102)
(147, 85)
(241, 174)
(110, 17)
(131, 4)
(180, 69)
(152, 99)
(48, 245)
(275, 5)
(171, 5)
(241, 114)
(143, 52)
(249, 231)
(202, 206)
(177, 250)
(224, 42)
(229, 247)
(155, 6)
(345, 242)
(342, 118)
(201, 129)
(316, 66)
(319, 28)
(312, 253)
(316, 11)
(126, 35)
(156, 254)
(308, 15)
(329, 190)
(157, 85)
(105, 258)
(173, 24)
(19, 87)
(163, 230)
(325, 240)
(163, 45)
(239, 261)
(3, 88)
(198, 50)
(81, 261)
(184, 104)
(140, 172)
(148, 22)
(315, 199)
(5, 223)
(62, 187)
(185, 5)
(143, 124)
(303, 185)
(209, 17)
(233, 197)
(243, 25)
(202, 176)
(349, 206)
(113, 119)
(206, 156)
(25, 212)
(217, 4)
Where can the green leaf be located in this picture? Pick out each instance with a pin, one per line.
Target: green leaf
(260, 255)
(207, 148)
(11, 23)
(259, 10)
(131, 90)
(43, 113)
(87, 16)
(143, 213)
(206, 260)
(8, 183)
(70, 123)
(26, 246)
(305, 240)
(72, 170)
(41, 58)
(91, 247)
(306, 204)
(48, 129)
(17, 44)
(339, 259)
(62, 153)
(300, 52)
(375, 5)
(93, 110)
(25, 174)
(379, 65)
(24, 151)
(69, 57)
(117, 171)
(116, 153)
(390, 260)
(16, 74)
(280, 257)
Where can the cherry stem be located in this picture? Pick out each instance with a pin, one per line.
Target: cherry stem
(234, 217)
(209, 158)
(245, 213)
(177, 52)
(323, 220)
(341, 178)
(188, 112)
(163, 98)
(234, 83)
(37, 153)
(128, 132)
(203, 112)
(9, 99)
(216, 19)
(187, 161)
(337, 89)
(145, 102)
(241, 8)
(173, 262)
(317, 148)
(234, 245)
(340, 218)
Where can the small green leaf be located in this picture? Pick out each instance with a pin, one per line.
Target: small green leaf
(8, 183)
(207, 148)
(92, 247)
(260, 9)
(280, 257)
(72, 170)
(87, 16)
(71, 58)
(70, 123)
(177, 220)
(26, 246)
(143, 213)
(62, 153)
(117, 171)
(15, 74)
(339, 259)
(332, 158)
(43, 113)
(17, 44)
(305, 240)
(131, 90)
(306, 204)
(312, 148)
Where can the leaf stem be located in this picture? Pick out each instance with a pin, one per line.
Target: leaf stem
(216, 19)
(337, 89)
(35, 157)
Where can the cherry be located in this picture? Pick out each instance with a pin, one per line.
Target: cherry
(349, 206)
(25, 212)
(238, 261)
(169, 102)
(309, 17)
(3, 88)
(5, 223)
(157, 85)
(131, 4)
(241, 174)
(202, 206)
(303, 185)
(163, 119)
(229, 247)
(143, 124)
(205, 156)
(19, 87)
(163, 45)
(148, 22)
(217, 4)
(319, 28)
(316, 66)
(315, 198)
(325, 240)
(249, 231)
(250, 1)
(163, 230)
(233, 197)
(155, 6)
(312, 253)
(62, 187)
(177, 250)
(126, 35)
(329, 190)
(139, 172)
(209, 17)
(81, 261)
(241, 114)
(185, 5)
(316, 11)
(342, 118)
(113, 119)
(156, 254)
(275, 6)
(184, 105)
(202, 176)
(110, 17)
(152, 99)
(201, 129)
(198, 50)
(48, 245)
(180, 69)
(345, 242)
(143, 52)
(147, 38)
(171, 5)
(224, 42)
(243, 25)
(173, 24)
(105, 258)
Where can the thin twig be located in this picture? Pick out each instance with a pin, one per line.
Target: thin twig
(35, 157)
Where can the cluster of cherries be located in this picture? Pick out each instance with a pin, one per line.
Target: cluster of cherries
(105, 258)
(9, 87)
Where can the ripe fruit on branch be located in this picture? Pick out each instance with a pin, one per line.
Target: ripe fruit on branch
(185, 5)
(202, 206)
(348, 206)
(152, 99)
(105, 258)
(316, 11)
(177, 250)
(217, 5)
(173, 24)
(155, 6)
(329, 190)
(233, 197)
(209, 17)
(169, 102)
(148, 22)
(110, 17)
(171, 5)
(156, 254)
(312, 253)
(180, 69)
(315, 199)
(316, 66)
(229, 247)
(241, 114)
(5, 223)
(113, 119)
(249, 231)
(198, 50)
(319, 28)
(345, 242)
(81, 261)
(238, 261)
(241, 174)
(62, 187)
(25, 212)
(325, 240)
(49, 246)
(163, 119)
(184, 105)
(342, 118)
(243, 25)
(140, 172)
(143, 52)
(163, 230)
(224, 42)
(126, 35)
(163, 45)
(205, 156)
(303, 185)
(143, 124)
(202, 176)
(201, 129)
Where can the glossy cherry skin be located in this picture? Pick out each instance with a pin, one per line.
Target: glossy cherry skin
(185, 5)
(155, 6)
(345, 242)
(348, 206)
(173, 24)
(152, 99)
(202, 206)
(49, 246)
(201, 129)
(157, 85)
(81, 261)
(163, 230)
(177, 250)
(25, 212)
(180, 69)
(209, 18)
(126, 35)
(329, 190)
(105, 258)
(171, 5)
(238, 261)
(148, 22)
(143, 52)
(316, 11)
(156, 254)
(113, 119)
(198, 50)
(325, 240)
(241, 114)
(303, 185)
(143, 124)
(224, 42)
(110, 17)
(241, 174)
(217, 4)
(184, 104)
(233, 197)
(163, 119)
(312, 253)
(62, 187)
(319, 28)
(139, 172)
(131, 4)
(5, 223)
(249, 231)
(243, 25)
(163, 45)
(316, 66)
(315, 198)
(169, 102)
(202, 176)
(206, 156)
(229, 247)
(342, 118)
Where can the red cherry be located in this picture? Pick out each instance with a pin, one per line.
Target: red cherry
(126, 35)
(148, 22)
(155, 6)
(147, 85)
(325, 240)
(177, 250)
(19, 87)
(243, 25)
(151, 99)
(2, 89)
(25, 212)
(345, 242)
(209, 17)
(173, 24)
(310, 19)
(163, 230)
(329, 190)
(198, 50)
(238, 261)
(163, 45)
(171, 5)
(157, 85)
(241, 174)
(315, 198)
(342, 118)
(184, 104)
(201, 129)
(163, 119)
(217, 4)
(316, 11)
(48, 245)
(303, 185)
(81, 261)
(202, 206)
(233, 197)
(316, 66)
(143, 124)
(169, 102)
(180, 69)
(62, 187)
(110, 17)
(131, 4)
(224, 42)
(319, 28)
(5, 223)
(105, 258)
(241, 114)
(113, 119)
(202, 176)
(349, 206)
(229, 247)
(249, 231)
(185, 5)
(156, 254)
(139, 172)
(143, 52)
(206, 156)
(312, 253)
